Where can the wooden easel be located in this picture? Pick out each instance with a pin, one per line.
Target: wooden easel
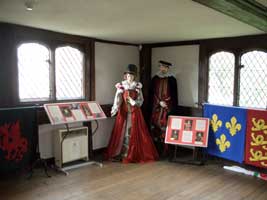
(195, 159)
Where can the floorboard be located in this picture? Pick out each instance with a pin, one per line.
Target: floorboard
(153, 181)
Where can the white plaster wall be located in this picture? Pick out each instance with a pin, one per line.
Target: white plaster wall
(102, 135)
(186, 61)
(110, 62)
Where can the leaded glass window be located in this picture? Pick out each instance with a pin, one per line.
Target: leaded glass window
(33, 72)
(69, 73)
(40, 79)
(221, 78)
(253, 79)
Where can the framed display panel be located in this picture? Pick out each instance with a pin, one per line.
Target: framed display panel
(62, 113)
(191, 131)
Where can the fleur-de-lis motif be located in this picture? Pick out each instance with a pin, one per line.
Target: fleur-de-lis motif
(223, 143)
(215, 123)
(233, 126)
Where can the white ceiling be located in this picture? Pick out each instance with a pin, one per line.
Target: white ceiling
(263, 2)
(133, 21)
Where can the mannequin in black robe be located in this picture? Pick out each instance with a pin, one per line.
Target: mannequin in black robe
(163, 102)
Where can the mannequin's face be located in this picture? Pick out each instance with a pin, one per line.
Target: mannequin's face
(130, 77)
(163, 69)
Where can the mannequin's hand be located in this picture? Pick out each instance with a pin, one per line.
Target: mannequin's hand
(113, 113)
(131, 101)
(120, 91)
(163, 104)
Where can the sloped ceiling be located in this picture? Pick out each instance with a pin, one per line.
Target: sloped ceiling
(133, 21)
(263, 2)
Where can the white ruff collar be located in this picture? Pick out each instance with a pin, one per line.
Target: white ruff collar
(166, 75)
(130, 86)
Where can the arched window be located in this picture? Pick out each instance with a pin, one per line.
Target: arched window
(221, 78)
(69, 73)
(43, 80)
(33, 72)
(253, 80)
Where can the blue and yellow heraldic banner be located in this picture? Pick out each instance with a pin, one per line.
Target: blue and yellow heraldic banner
(227, 131)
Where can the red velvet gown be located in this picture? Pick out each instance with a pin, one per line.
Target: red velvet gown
(140, 147)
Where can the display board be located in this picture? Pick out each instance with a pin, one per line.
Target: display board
(191, 131)
(62, 113)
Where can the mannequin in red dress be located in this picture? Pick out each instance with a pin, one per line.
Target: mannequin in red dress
(130, 140)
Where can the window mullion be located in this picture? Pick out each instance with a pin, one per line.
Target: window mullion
(52, 76)
(237, 80)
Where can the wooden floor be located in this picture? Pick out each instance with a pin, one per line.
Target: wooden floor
(158, 180)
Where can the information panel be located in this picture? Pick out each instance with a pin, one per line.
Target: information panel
(191, 131)
(62, 113)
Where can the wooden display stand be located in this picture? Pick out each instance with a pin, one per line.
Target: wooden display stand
(187, 131)
(194, 159)
(71, 144)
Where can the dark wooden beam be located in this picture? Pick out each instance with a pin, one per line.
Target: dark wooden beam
(248, 11)
(145, 75)
(116, 42)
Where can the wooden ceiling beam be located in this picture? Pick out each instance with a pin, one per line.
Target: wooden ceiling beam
(248, 11)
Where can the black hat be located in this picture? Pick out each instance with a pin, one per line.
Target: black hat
(164, 63)
(131, 69)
